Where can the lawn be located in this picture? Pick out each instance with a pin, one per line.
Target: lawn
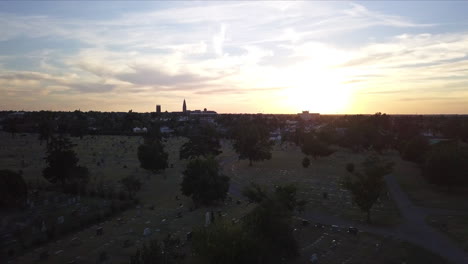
(161, 201)
(423, 194)
(323, 175)
(455, 226)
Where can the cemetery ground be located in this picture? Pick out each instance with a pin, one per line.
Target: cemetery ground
(110, 158)
(444, 209)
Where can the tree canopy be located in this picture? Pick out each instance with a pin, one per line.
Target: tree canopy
(152, 156)
(252, 142)
(447, 164)
(312, 146)
(13, 189)
(62, 164)
(265, 235)
(202, 143)
(366, 186)
(203, 181)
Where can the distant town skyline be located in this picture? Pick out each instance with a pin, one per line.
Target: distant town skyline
(235, 57)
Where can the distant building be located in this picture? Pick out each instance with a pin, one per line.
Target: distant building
(140, 130)
(158, 109)
(184, 107)
(166, 130)
(306, 116)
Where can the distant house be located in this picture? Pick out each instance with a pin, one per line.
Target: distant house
(166, 130)
(275, 135)
(306, 116)
(140, 130)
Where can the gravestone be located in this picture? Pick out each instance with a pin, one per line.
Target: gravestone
(207, 219)
(189, 236)
(60, 220)
(147, 232)
(313, 259)
(99, 231)
(44, 227)
(353, 230)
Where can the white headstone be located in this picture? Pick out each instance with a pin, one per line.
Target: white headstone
(146, 232)
(207, 219)
(313, 259)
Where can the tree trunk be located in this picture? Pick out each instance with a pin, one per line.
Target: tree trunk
(250, 162)
(368, 217)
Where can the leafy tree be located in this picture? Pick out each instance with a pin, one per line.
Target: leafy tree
(204, 143)
(254, 193)
(62, 164)
(367, 186)
(78, 125)
(286, 196)
(265, 235)
(13, 189)
(447, 164)
(132, 184)
(252, 143)
(312, 146)
(224, 242)
(45, 131)
(152, 155)
(305, 162)
(203, 182)
(415, 149)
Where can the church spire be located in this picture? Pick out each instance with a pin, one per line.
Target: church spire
(184, 107)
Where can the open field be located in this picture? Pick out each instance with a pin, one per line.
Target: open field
(333, 245)
(323, 175)
(159, 206)
(455, 226)
(426, 195)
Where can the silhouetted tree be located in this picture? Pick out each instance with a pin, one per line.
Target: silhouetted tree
(203, 182)
(447, 164)
(62, 164)
(45, 131)
(204, 143)
(415, 149)
(265, 235)
(252, 142)
(13, 190)
(312, 146)
(152, 156)
(132, 184)
(367, 186)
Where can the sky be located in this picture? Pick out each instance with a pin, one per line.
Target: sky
(235, 57)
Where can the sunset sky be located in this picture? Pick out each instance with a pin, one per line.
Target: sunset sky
(231, 57)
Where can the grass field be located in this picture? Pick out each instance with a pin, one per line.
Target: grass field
(455, 226)
(333, 246)
(323, 175)
(158, 207)
(423, 194)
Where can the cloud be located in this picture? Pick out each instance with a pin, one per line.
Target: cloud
(234, 48)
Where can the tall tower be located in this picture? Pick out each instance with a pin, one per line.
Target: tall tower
(158, 108)
(184, 107)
